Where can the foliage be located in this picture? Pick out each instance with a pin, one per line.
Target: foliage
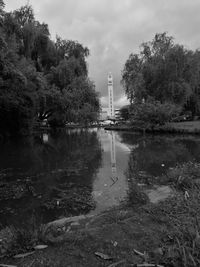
(124, 112)
(151, 113)
(39, 78)
(164, 71)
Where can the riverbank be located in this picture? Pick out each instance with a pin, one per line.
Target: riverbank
(187, 127)
(131, 234)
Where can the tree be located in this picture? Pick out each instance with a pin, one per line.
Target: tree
(72, 50)
(132, 78)
(39, 78)
(125, 112)
(2, 5)
(164, 71)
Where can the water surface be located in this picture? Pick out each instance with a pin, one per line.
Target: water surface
(85, 172)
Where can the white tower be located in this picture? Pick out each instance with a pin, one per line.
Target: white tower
(111, 111)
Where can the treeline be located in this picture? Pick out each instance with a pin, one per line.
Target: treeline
(41, 79)
(164, 76)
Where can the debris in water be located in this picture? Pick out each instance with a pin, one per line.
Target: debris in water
(186, 195)
(140, 184)
(40, 247)
(18, 256)
(114, 243)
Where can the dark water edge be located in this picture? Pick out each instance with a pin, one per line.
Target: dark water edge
(81, 171)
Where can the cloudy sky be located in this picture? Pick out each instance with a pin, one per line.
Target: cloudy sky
(112, 29)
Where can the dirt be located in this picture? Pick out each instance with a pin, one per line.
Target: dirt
(165, 233)
(115, 233)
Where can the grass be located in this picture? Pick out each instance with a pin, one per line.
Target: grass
(192, 125)
(182, 241)
(184, 176)
(18, 240)
(182, 215)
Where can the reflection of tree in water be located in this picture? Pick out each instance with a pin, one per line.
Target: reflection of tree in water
(151, 152)
(51, 179)
(150, 157)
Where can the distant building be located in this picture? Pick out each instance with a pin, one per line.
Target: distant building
(117, 114)
(104, 114)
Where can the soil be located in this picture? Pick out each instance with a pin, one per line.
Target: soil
(115, 233)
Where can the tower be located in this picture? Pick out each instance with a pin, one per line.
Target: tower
(111, 112)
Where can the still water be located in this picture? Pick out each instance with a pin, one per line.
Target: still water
(85, 172)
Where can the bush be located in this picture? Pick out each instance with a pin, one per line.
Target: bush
(152, 113)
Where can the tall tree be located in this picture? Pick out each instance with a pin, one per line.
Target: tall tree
(164, 71)
(39, 78)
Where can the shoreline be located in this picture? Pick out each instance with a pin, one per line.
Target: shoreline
(137, 233)
(116, 235)
(192, 127)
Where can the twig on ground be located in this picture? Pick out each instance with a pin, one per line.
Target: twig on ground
(143, 255)
(139, 253)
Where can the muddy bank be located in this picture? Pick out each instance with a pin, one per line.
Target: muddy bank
(152, 229)
(166, 233)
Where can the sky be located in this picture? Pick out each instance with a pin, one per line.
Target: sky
(112, 29)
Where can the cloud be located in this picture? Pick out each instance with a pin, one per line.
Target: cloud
(122, 101)
(118, 103)
(113, 29)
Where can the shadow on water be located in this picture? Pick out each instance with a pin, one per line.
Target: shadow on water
(48, 177)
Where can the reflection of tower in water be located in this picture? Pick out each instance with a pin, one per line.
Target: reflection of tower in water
(113, 157)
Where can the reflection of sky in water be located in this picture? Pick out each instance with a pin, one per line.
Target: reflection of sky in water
(110, 185)
(141, 158)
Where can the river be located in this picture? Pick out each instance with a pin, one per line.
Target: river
(78, 171)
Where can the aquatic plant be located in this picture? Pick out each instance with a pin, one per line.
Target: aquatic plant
(185, 176)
